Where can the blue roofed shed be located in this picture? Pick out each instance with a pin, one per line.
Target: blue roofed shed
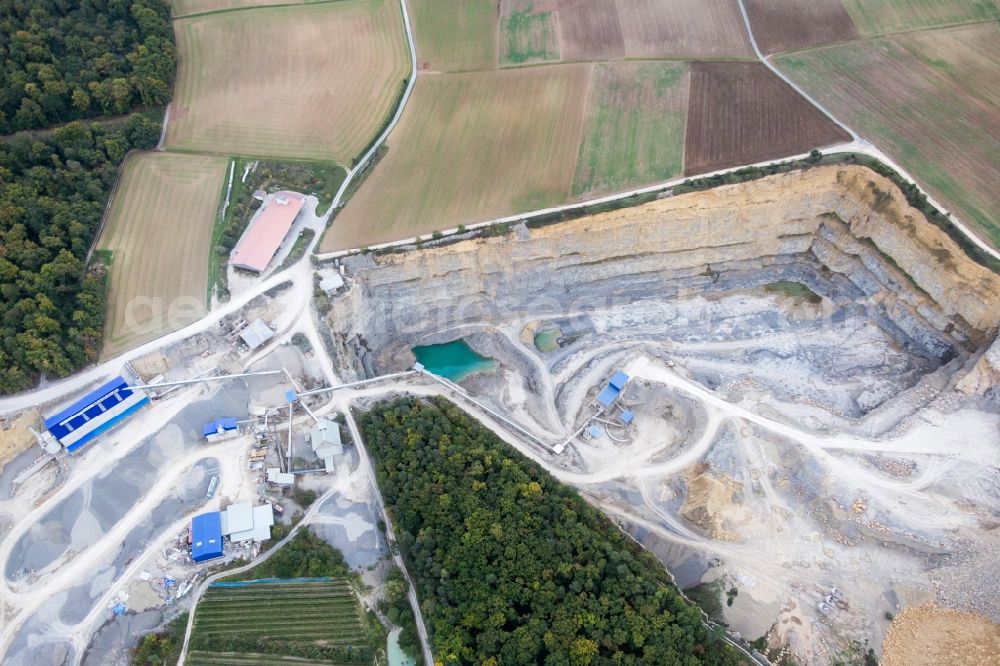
(206, 536)
(608, 395)
(219, 426)
(618, 380)
(94, 413)
(627, 416)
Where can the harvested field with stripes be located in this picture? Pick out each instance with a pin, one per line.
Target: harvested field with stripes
(311, 81)
(878, 17)
(789, 25)
(741, 113)
(454, 36)
(159, 233)
(634, 133)
(239, 624)
(930, 101)
(470, 147)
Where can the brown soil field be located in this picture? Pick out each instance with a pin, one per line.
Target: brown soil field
(598, 29)
(306, 81)
(789, 25)
(159, 231)
(928, 635)
(740, 113)
(188, 7)
(471, 147)
(929, 101)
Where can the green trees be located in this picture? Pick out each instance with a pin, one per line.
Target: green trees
(53, 188)
(61, 62)
(65, 61)
(512, 567)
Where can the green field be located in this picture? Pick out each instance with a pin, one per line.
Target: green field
(455, 36)
(317, 620)
(634, 133)
(528, 36)
(942, 127)
(878, 17)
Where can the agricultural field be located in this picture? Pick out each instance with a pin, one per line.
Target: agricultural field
(929, 101)
(454, 36)
(878, 17)
(239, 624)
(527, 34)
(159, 232)
(789, 25)
(470, 147)
(634, 132)
(740, 113)
(311, 81)
(188, 7)
(599, 29)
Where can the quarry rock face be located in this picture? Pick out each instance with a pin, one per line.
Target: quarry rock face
(844, 231)
(985, 374)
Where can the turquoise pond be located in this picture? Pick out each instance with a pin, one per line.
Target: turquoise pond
(453, 360)
(396, 656)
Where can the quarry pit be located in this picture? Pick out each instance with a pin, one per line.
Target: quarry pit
(814, 383)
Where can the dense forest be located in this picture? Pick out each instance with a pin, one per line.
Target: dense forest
(61, 62)
(512, 567)
(65, 61)
(53, 188)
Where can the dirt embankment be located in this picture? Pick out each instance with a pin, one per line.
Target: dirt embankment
(928, 635)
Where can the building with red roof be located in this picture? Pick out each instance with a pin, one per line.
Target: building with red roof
(267, 231)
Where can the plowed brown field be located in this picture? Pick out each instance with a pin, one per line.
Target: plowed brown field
(788, 25)
(740, 113)
(597, 29)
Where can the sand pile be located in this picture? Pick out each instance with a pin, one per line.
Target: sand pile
(928, 635)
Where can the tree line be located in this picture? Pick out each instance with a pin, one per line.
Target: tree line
(64, 61)
(512, 567)
(53, 189)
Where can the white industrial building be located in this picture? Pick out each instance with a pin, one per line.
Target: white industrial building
(325, 440)
(242, 522)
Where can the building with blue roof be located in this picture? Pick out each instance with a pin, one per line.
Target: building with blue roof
(608, 395)
(221, 428)
(627, 416)
(618, 380)
(96, 412)
(206, 536)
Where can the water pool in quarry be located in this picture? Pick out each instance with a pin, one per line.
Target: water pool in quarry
(454, 360)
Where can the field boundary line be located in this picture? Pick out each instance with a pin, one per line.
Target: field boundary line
(859, 147)
(884, 35)
(107, 207)
(867, 146)
(230, 10)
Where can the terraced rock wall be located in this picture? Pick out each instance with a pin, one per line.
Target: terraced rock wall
(846, 232)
